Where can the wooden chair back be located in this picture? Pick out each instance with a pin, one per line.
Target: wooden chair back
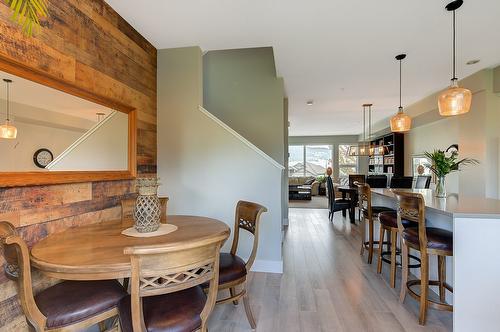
(18, 267)
(411, 206)
(164, 269)
(247, 217)
(127, 206)
(364, 199)
(330, 190)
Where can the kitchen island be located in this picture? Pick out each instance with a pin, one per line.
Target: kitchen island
(475, 266)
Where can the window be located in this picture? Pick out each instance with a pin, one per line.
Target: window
(347, 164)
(309, 160)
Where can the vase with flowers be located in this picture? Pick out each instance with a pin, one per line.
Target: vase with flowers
(444, 163)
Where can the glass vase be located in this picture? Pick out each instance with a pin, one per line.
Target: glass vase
(147, 209)
(441, 187)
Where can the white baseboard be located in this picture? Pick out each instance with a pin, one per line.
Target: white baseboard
(267, 266)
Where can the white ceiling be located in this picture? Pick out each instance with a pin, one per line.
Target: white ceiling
(339, 53)
(27, 92)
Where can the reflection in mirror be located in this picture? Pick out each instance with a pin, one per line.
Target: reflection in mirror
(57, 131)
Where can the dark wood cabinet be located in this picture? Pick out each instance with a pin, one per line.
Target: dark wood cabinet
(389, 156)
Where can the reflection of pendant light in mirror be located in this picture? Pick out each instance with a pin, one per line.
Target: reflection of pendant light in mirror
(455, 100)
(7, 130)
(401, 122)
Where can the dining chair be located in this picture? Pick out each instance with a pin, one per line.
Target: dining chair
(361, 178)
(66, 306)
(165, 287)
(233, 270)
(423, 182)
(401, 182)
(427, 241)
(127, 206)
(335, 204)
(377, 181)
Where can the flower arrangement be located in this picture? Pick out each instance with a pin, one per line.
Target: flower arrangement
(444, 163)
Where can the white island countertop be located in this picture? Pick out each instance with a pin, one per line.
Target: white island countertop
(453, 205)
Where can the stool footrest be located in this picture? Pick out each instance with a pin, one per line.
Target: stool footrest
(431, 303)
(386, 254)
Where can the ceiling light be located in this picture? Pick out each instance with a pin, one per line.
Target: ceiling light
(472, 62)
(455, 100)
(364, 147)
(401, 122)
(310, 103)
(7, 130)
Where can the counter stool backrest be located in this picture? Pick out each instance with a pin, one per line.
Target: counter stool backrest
(364, 199)
(18, 268)
(411, 206)
(163, 269)
(247, 217)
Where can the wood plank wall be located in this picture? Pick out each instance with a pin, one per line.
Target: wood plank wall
(87, 43)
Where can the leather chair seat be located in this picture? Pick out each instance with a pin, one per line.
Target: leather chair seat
(437, 238)
(70, 302)
(390, 219)
(376, 210)
(231, 267)
(174, 312)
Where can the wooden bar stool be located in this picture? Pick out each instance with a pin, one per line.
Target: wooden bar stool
(389, 225)
(369, 213)
(429, 241)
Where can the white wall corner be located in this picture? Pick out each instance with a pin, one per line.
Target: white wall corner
(267, 266)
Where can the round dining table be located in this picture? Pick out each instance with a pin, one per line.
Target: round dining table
(95, 251)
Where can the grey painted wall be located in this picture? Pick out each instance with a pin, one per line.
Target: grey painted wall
(205, 169)
(240, 87)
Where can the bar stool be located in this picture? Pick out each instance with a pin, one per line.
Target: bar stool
(389, 224)
(429, 241)
(369, 212)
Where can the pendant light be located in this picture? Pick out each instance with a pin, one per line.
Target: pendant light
(7, 130)
(455, 100)
(363, 148)
(401, 122)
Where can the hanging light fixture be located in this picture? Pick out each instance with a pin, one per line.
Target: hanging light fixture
(401, 122)
(7, 130)
(364, 147)
(455, 100)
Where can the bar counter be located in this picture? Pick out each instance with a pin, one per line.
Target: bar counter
(475, 223)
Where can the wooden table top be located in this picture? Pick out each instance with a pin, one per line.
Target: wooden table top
(95, 252)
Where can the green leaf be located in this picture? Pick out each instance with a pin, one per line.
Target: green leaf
(27, 13)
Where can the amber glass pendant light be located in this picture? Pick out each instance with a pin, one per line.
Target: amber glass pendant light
(455, 100)
(7, 130)
(401, 122)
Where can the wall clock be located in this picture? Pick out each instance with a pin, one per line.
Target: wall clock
(42, 157)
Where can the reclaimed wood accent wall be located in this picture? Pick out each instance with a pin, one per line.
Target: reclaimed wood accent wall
(84, 42)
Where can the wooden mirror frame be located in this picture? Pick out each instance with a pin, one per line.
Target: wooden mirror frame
(18, 179)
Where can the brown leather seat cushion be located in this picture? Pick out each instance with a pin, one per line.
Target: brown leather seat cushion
(70, 302)
(390, 219)
(174, 312)
(437, 238)
(377, 209)
(231, 267)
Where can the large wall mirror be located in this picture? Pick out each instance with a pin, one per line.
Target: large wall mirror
(49, 136)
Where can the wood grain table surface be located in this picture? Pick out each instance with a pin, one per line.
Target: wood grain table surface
(95, 252)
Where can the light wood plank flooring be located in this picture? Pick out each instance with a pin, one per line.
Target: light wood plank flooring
(326, 286)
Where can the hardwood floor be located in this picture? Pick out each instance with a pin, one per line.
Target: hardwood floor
(326, 286)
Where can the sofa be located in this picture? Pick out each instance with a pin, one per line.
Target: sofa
(301, 180)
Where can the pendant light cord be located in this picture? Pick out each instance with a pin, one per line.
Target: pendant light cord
(8, 110)
(400, 83)
(454, 45)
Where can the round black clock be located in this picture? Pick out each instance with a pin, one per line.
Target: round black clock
(42, 157)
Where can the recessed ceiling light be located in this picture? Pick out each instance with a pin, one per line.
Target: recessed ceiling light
(310, 103)
(472, 62)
